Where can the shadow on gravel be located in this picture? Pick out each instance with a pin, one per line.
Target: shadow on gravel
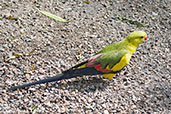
(83, 84)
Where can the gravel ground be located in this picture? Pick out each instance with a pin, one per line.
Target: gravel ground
(144, 86)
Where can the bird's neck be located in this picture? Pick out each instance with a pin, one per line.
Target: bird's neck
(131, 47)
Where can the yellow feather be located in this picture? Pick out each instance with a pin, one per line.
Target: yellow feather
(108, 76)
(82, 66)
(124, 61)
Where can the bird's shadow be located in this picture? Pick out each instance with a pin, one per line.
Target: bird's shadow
(88, 84)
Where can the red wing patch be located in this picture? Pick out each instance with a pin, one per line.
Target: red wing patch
(92, 60)
(98, 67)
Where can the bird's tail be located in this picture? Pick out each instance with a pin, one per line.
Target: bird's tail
(46, 80)
(65, 75)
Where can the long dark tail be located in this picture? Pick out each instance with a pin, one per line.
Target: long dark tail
(65, 75)
(46, 80)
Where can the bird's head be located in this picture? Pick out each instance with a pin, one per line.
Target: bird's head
(137, 37)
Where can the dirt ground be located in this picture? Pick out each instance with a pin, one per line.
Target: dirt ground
(144, 86)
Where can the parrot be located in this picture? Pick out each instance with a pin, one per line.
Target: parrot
(106, 62)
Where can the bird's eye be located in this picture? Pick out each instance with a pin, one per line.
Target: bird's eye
(142, 37)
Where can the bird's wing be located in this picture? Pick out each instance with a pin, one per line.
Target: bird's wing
(104, 62)
(112, 58)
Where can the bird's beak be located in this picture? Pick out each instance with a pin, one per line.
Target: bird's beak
(146, 38)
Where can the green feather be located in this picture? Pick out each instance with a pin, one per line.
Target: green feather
(111, 58)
